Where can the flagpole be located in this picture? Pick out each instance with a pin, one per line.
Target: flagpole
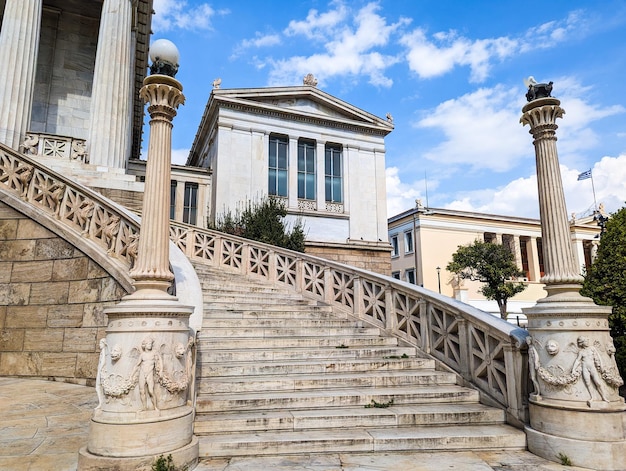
(593, 188)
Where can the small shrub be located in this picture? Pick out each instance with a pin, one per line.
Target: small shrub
(564, 459)
(166, 464)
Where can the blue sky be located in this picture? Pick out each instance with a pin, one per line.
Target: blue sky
(449, 72)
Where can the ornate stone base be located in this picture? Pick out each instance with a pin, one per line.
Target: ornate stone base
(597, 455)
(186, 456)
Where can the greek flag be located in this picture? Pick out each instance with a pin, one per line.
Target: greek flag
(584, 175)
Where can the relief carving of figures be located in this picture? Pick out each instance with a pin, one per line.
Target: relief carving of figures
(148, 364)
(588, 363)
(79, 151)
(31, 144)
(101, 368)
(24, 178)
(533, 364)
(109, 231)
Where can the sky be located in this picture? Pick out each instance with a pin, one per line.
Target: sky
(450, 72)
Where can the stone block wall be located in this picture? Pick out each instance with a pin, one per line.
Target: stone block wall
(378, 261)
(52, 298)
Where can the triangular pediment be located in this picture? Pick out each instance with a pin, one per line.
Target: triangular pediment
(304, 101)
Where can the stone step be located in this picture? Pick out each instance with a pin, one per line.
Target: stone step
(310, 366)
(224, 286)
(274, 332)
(278, 354)
(313, 313)
(268, 309)
(348, 417)
(301, 382)
(477, 437)
(320, 398)
(338, 342)
(228, 323)
(257, 298)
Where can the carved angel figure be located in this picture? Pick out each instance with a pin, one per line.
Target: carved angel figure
(586, 361)
(30, 144)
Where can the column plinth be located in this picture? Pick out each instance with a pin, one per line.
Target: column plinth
(575, 408)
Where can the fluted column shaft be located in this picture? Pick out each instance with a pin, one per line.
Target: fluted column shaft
(558, 256)
(19, 45)
(111, 96)
(151, 271)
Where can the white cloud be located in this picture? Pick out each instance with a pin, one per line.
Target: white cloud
(481, 130)
(519, 197)
(440, 53)
(176, 14)
(259, 41)
(353, 47)
(179, 156)
(400, 196)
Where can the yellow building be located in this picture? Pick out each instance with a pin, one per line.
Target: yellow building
(424, 239)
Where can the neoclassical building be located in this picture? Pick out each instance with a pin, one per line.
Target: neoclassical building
(424, 239)
(323, 157)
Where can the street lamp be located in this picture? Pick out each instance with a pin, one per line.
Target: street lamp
(439, 278)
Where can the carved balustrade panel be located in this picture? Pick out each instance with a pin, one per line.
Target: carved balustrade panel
(286, 269)
(313, 279)
(374, 302)
(343, 288)
(78, 210)
(444, 334)
(179, 236)
(15, 174)
(127, 242)
(47, 192)
(104, 227)
(487, 361)
(259, 261)
(232, 254)
(407, 317)
(204, 246)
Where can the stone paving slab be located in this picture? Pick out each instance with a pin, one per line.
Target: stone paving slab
(43, 424)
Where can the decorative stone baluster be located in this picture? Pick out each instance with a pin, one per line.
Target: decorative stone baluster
(19, 45)
(575, 409)
(111, 96)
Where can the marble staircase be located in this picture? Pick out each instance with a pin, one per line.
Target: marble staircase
(278, 374)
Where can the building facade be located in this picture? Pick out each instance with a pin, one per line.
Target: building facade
(320, 155)
(424, 239)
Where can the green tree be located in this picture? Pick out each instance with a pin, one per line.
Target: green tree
(492, 264)
(263, 221)
(605, 281)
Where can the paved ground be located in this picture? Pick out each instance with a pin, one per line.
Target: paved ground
(43, 424)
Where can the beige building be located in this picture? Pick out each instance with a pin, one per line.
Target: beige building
(424, 239)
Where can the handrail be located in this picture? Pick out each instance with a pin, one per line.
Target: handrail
(103, 226)
(486, 351)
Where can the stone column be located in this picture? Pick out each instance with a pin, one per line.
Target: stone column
(111, 95)
(19, 45)
(320, 175)
(575, 409)
(292, 173)
(146, 369)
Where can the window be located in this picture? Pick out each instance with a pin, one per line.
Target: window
(190, 206)
(408, 242)
(277, 177)
(333, 174)
(523, 242)
(410, 275)
(396, 275)
(394, 246)
(306, 169)
(173, 184)
(540, 256)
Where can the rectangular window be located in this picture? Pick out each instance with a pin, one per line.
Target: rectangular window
(190, 206)
(333, 174)
(278, 157)
(306, 169)
(173, 184)
(523, 242)
(540, 256)
(408, 242)
(394, 246)
(410, 276)
(395, 274)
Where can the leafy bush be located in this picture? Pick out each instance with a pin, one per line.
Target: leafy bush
(263, 221)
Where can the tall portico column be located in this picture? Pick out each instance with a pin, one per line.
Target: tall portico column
(19, 45)
(111, 95)
(575, 409)
(146, 369)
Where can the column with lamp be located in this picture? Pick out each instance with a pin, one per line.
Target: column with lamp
(146, 367)
(438, 278)
(575, 409)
